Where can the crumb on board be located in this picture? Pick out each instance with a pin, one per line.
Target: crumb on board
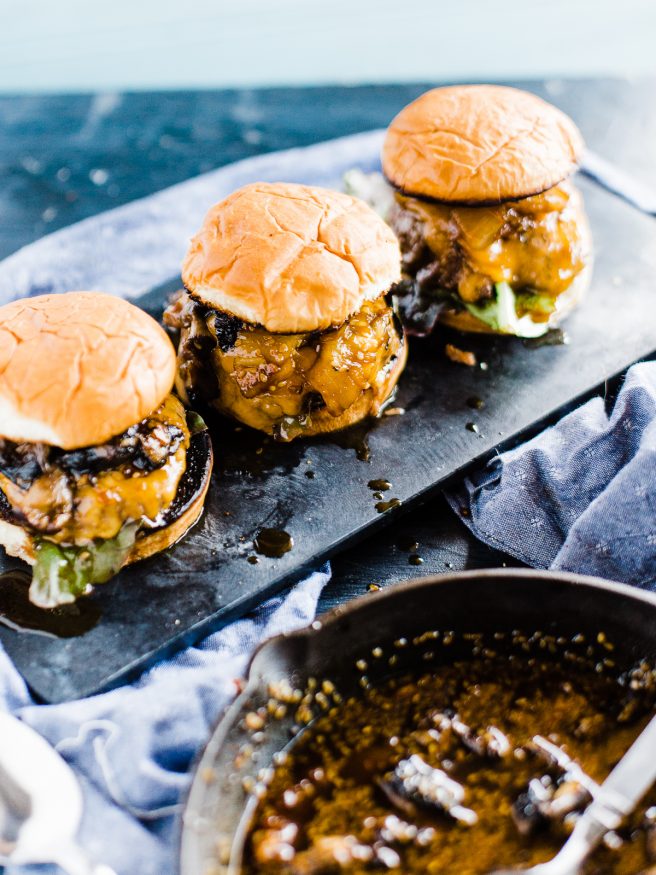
(461, 356)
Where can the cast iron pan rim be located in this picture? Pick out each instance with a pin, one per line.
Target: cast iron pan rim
(225, 720)
(490, 574)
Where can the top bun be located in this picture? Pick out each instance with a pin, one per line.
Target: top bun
(79, 368)
(291, 258)
(479, 144)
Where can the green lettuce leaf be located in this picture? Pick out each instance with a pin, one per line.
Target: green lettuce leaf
(195, 422)
(500, 313)
(531, 302)
(62, 574)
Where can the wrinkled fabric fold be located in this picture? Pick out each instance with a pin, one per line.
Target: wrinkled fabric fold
(132, 748)
(581, 496)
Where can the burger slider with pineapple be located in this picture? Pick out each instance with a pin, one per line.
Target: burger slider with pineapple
(100, 465)
(286, 323)
(493, 233)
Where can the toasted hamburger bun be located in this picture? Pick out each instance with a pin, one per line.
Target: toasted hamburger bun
(463, 320)
(184, 512)
(479, 144)
(77, 369)
(292, 258)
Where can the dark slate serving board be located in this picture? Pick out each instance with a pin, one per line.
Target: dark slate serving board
(159, 605)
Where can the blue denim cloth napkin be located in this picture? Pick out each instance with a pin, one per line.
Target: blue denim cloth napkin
(581, 496)
(132, 748)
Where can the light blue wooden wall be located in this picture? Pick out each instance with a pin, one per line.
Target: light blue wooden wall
(117, 44)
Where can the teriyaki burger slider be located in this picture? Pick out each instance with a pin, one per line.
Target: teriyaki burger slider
(493, 233)
(285, 324)
(100, 465)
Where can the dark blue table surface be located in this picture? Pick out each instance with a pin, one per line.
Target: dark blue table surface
(66, 157)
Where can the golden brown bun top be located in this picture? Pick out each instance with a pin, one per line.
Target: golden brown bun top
(79, 368)
(479, 144)
(292, 258)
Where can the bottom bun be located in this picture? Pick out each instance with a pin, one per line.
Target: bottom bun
(184, 512)
(323, 422)
(463, 320)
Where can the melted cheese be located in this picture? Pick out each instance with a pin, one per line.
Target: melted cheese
(266, 377)
(75, 511)
(538, 243)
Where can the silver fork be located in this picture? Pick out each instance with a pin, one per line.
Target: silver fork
(616, 799)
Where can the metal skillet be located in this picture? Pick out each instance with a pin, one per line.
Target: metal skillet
(219, 808)
(617, 797)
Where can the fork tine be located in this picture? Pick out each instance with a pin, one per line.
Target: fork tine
(551, 867)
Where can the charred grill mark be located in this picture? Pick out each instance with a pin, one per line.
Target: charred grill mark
(489, 202)
(313, 340)
(418, 309)
(6, 510)
(313, 401)
(401, 289)
(221, 328)
(225, 329)
(143, 447)
(202, 330)
(21, 463)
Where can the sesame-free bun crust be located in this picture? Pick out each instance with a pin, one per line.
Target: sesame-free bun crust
(292, 258)
(479, 144)
(79, 368)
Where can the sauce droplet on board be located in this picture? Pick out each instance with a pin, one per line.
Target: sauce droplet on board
(381, 485)
(355, 437)
(383, 506)
(273, 543)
